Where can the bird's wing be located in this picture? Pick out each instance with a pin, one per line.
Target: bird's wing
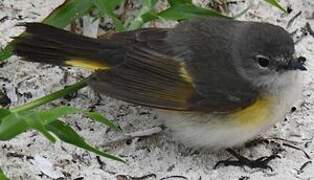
(158, 74)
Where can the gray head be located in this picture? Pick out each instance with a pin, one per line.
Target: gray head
(266, 54)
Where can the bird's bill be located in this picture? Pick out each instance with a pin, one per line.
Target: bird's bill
(297, 64)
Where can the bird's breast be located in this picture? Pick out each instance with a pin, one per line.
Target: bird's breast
(255, 115)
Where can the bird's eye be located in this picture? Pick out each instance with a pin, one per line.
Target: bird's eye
(262, 61)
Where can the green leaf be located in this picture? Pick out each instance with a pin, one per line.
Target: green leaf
(100, 118)
(117, 24)
(46, 122)
(149, 3)
(4, 113)
(68, 11)
(277, 5)
(68, 135)
(16, 123)
(3, 176)
(176, 2)
(34, 121)
(149, 16)
(51, 115)
(6, 53)
(12, 125)
(187, 11)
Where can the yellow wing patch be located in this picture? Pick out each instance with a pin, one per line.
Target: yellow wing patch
(185, 74)
(255, 114)
(87, 64)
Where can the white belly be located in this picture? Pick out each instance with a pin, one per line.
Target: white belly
(214, 132)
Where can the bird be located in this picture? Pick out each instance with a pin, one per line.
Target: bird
(215, 82)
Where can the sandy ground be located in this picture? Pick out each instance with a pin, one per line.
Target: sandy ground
(30, 156)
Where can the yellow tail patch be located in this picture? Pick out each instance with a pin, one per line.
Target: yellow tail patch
(90, 65)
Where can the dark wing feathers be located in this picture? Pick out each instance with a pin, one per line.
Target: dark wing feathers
(147, 78)
(190, 76)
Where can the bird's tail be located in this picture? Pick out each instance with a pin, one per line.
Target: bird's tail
(46, 44)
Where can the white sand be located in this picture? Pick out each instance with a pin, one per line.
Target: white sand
(158, 155)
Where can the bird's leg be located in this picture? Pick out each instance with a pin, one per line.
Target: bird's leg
(261, 162)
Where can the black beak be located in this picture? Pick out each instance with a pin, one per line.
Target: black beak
(297, 64)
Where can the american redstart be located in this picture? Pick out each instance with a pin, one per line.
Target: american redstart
(216, 82)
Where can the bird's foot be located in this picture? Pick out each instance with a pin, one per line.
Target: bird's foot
(241, 161)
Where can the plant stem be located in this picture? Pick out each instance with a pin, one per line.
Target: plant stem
(51, 97)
